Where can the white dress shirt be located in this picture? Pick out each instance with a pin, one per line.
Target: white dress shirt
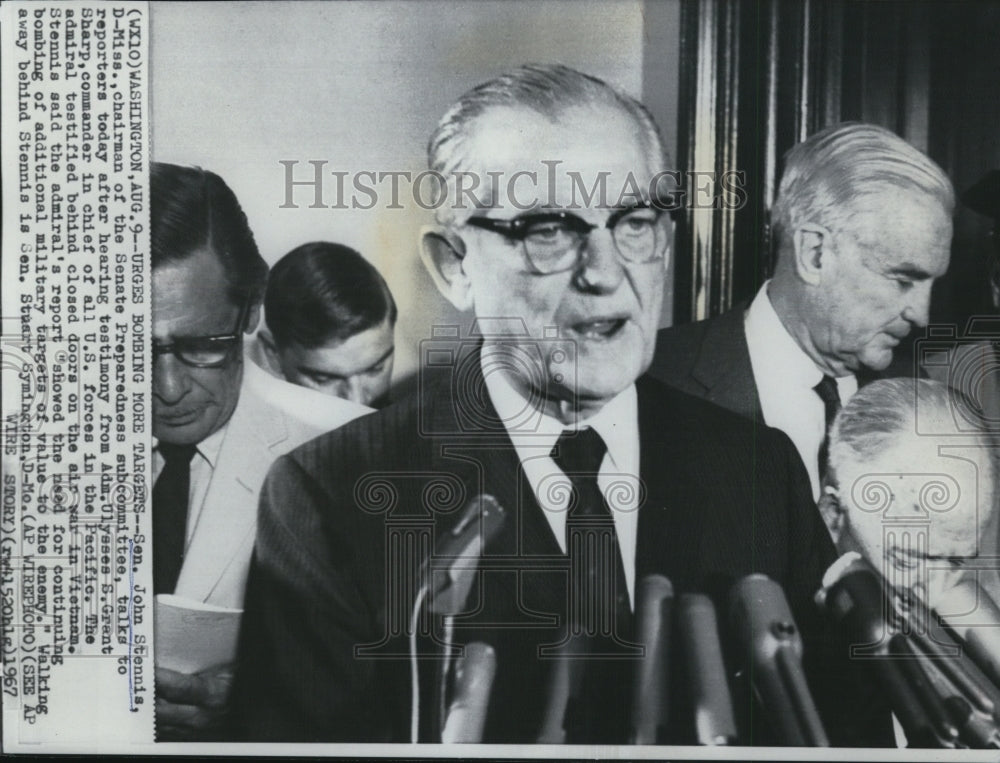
(785, 377)
(202, 467)
(618, 425)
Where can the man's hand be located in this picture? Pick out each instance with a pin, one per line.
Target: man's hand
(192, 707)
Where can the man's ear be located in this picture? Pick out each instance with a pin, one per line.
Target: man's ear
(813, 246)
(443, 254)
(253, 318)
(832, 512)
(266, 340)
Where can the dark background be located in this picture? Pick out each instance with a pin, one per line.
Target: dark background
(783, 69)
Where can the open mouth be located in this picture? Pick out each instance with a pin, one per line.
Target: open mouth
(602, 328)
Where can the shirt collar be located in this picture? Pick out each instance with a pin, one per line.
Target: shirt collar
(209, 447)
(764, 327)
(616, 422)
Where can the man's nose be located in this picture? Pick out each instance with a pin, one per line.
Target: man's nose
(171, 380)
(355, 390)
(917, 310)
(601, 268)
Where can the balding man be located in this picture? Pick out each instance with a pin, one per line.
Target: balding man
(912, 488)
(863, 228)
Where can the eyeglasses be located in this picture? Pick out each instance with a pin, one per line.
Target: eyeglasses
(206, 351)
(553, 241)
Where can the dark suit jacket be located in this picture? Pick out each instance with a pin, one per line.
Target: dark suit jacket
(710, 359)
(723, 498)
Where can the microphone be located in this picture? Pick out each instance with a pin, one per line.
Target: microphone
(763, 623)
(650, 696)
(958, 686)
(565, 684)
(978, 732)
(922, 686)
(474, 675)
(479, 522)
(937, 647)
(854, 596)
(698, 636)
(976, 621)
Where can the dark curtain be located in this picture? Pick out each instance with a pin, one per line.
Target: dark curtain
(758, 76)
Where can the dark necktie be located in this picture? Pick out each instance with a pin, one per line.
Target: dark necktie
(827, 391)
(170, 508)
(598, 614)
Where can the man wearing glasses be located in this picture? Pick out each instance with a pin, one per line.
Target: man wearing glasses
(217, 423)
(603, 475)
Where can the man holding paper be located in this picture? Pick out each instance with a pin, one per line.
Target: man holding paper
(218, 423)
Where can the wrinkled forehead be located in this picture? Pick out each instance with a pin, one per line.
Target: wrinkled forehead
(886, 210)
(585, 156)
(900, 226)
(922, 480)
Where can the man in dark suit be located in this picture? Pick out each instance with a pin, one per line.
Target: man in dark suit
(603, 474)
(863, 228)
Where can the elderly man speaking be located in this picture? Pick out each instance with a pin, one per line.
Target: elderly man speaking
(604, 477)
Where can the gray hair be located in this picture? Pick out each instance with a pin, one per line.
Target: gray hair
(549, 90)
(875, 419)
(827, 174)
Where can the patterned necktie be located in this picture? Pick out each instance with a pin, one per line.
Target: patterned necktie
(827, 391)
(598, 615)
(170, 508)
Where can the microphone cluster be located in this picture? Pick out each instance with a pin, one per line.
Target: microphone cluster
(766, 646)
(938, 663)
(938, 670)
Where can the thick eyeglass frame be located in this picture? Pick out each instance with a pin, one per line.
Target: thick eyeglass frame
(226, 343)
(517, 229)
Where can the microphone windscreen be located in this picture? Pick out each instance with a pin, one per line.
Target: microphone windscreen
(856, 600)
(650, 699)
(974, 617)
(698, 640)
(854, 596)
(457, 553)
(564, 685)
(764, 626)
(474, 675)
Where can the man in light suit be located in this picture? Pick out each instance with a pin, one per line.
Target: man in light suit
(863, 228)
(546, 408)
(218, 423)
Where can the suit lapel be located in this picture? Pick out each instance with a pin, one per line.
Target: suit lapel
(496, 470)
(228, 516)
(723, 365)
(670, 525)
(497, 466)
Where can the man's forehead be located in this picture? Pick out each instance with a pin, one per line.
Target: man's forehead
(194, 288)
(569, 152)
(353, 355)
(915, 466)
(903, 228)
